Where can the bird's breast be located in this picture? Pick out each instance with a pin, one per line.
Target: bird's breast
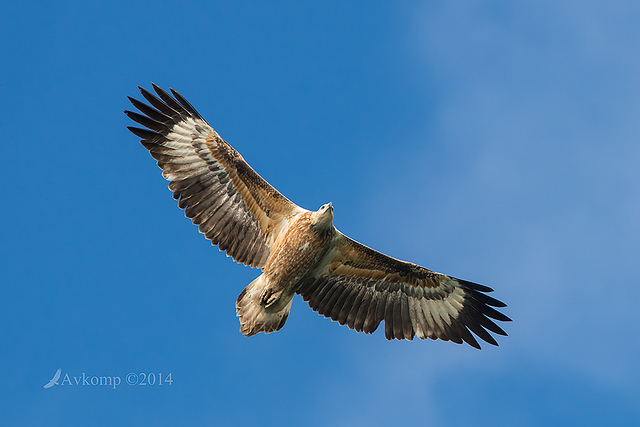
(296, 252)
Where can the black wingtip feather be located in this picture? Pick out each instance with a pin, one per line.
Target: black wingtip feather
(477, 329)
(150, 111)
(495, 314)
(474, 286)
(142, 133)
(486, 299)
(156, 102)
(187, 106)
(168, 99)
(146, 121)
(467, 336)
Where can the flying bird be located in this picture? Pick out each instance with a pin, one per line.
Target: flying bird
(300, 251)
(54, 380)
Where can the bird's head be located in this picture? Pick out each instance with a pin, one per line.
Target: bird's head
(323, 217)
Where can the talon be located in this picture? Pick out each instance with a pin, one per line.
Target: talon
(268, 298)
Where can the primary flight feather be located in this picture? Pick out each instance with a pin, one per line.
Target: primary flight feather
(300, 251)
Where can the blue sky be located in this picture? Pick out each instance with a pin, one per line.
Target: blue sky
(497, 142)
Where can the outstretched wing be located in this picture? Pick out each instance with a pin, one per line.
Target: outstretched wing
(231, 204)
(359, 286)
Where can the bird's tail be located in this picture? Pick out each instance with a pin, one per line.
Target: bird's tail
(260, 309)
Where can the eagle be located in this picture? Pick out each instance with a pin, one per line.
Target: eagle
(300, 251)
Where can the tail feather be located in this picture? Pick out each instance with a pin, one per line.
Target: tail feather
(256, 316)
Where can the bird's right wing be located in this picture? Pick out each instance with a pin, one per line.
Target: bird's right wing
(231, 204)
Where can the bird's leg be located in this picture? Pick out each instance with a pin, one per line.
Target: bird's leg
(269, 297)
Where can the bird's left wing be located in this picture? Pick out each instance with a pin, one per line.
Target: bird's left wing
(231, 204)
(358, 286)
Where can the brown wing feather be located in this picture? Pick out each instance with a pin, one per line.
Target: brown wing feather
(360, 287)
(232, 205)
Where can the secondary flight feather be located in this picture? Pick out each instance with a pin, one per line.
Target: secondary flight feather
(300, 251)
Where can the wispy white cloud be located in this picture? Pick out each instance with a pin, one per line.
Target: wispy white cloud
(531, 169)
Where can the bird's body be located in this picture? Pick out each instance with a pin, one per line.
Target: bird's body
(299, 247)
(300, 251)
